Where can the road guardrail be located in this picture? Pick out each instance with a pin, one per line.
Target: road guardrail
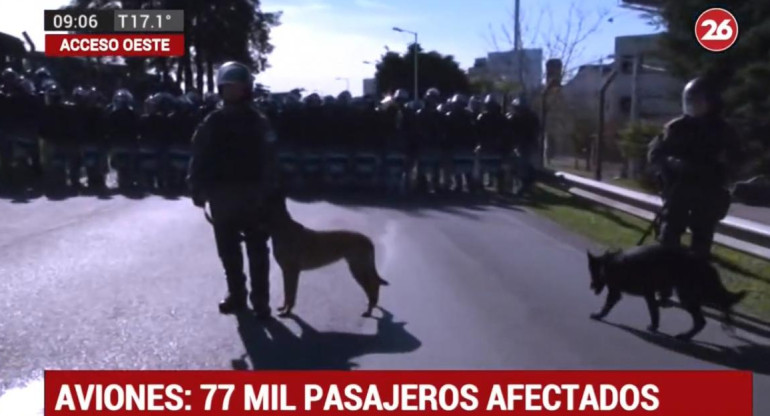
(740, 234)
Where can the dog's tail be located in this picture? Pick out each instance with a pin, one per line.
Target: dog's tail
(731, 300)
(383, 282)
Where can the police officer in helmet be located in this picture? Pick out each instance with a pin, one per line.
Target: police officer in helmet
(695, 156)
(231, 169)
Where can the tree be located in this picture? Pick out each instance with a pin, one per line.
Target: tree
(563, 40)
(743, 71)
(396, 71)
(214, 32)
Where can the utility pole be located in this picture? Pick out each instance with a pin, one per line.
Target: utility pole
(517, 46)
(416, 56)
(600, 136)
(635, 89)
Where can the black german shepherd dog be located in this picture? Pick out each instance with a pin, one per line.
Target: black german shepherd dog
(651, 270)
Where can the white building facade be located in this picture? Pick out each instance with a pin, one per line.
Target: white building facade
(505, 66)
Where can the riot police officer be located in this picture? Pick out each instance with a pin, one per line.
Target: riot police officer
(461, 142)
(429, 124)
(695, 157)
(491, 128)
(122, 131)
(525, 126)
(8, 82)
(231, 169)
(58, 133)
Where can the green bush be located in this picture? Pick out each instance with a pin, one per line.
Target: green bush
(633, 140)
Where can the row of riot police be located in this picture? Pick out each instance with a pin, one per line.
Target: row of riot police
(400, 144)
(60, 140)
(70, 140)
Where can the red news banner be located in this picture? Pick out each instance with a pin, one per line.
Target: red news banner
(115, 45)
(679, 393)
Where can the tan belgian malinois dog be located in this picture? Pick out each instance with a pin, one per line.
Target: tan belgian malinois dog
(297, 249)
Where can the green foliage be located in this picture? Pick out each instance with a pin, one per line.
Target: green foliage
(583, 131)
(215, 31)
(743, 70)
(396, 71)
(633, 140)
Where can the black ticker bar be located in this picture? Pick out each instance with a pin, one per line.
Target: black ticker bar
(80, 21)
(114, 21)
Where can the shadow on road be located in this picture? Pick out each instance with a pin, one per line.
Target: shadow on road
(270, 345)
(747, 323)
(749, 357)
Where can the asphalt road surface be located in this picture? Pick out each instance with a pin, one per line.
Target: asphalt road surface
(134, 284)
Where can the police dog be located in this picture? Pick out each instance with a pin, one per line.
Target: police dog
(650, 270)
(297, 249)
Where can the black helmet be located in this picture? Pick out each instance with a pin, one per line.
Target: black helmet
(401, 95)
(53, 94)
(475, 105)
(520, 102)
(9, 76)
(491, 103)
(415, 105)
(345, 97)
(459, 101)
(123, 99)
(26, 86)
(433, 94)
(193, 98)
(42, 73)
(697, 92)
(234, 73)
(313, 100)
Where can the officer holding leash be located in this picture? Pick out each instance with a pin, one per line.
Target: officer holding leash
(695, 157)
(231, 169)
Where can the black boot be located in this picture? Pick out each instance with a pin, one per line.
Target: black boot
(232, 304)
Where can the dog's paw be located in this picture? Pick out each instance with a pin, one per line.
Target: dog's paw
(367, 314)
(685, 336)
(284, 314)
(597, 316)
(653, 328)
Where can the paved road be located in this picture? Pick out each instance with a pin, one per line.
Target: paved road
(133, 284)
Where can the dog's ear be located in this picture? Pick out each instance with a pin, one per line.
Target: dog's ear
(591, 257)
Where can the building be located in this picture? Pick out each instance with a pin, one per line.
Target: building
(504, 66)
(658, 94)
(642, 5)
(583, 88)
(370, 86)
(575, 110)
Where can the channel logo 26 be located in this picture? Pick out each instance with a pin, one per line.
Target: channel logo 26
(716, 29)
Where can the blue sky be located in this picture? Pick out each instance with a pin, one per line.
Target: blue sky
(321, 40)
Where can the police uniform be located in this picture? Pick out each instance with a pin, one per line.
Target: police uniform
(526, 126)
(693, 157)
(232, 168)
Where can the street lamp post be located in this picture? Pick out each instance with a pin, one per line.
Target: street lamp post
(416, 89)
(347, 82)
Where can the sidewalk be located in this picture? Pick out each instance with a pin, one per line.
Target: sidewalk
(612, 170)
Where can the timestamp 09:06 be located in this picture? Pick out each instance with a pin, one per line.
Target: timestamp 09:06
(68, 21)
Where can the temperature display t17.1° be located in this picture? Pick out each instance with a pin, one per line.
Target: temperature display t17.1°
(138, 21)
